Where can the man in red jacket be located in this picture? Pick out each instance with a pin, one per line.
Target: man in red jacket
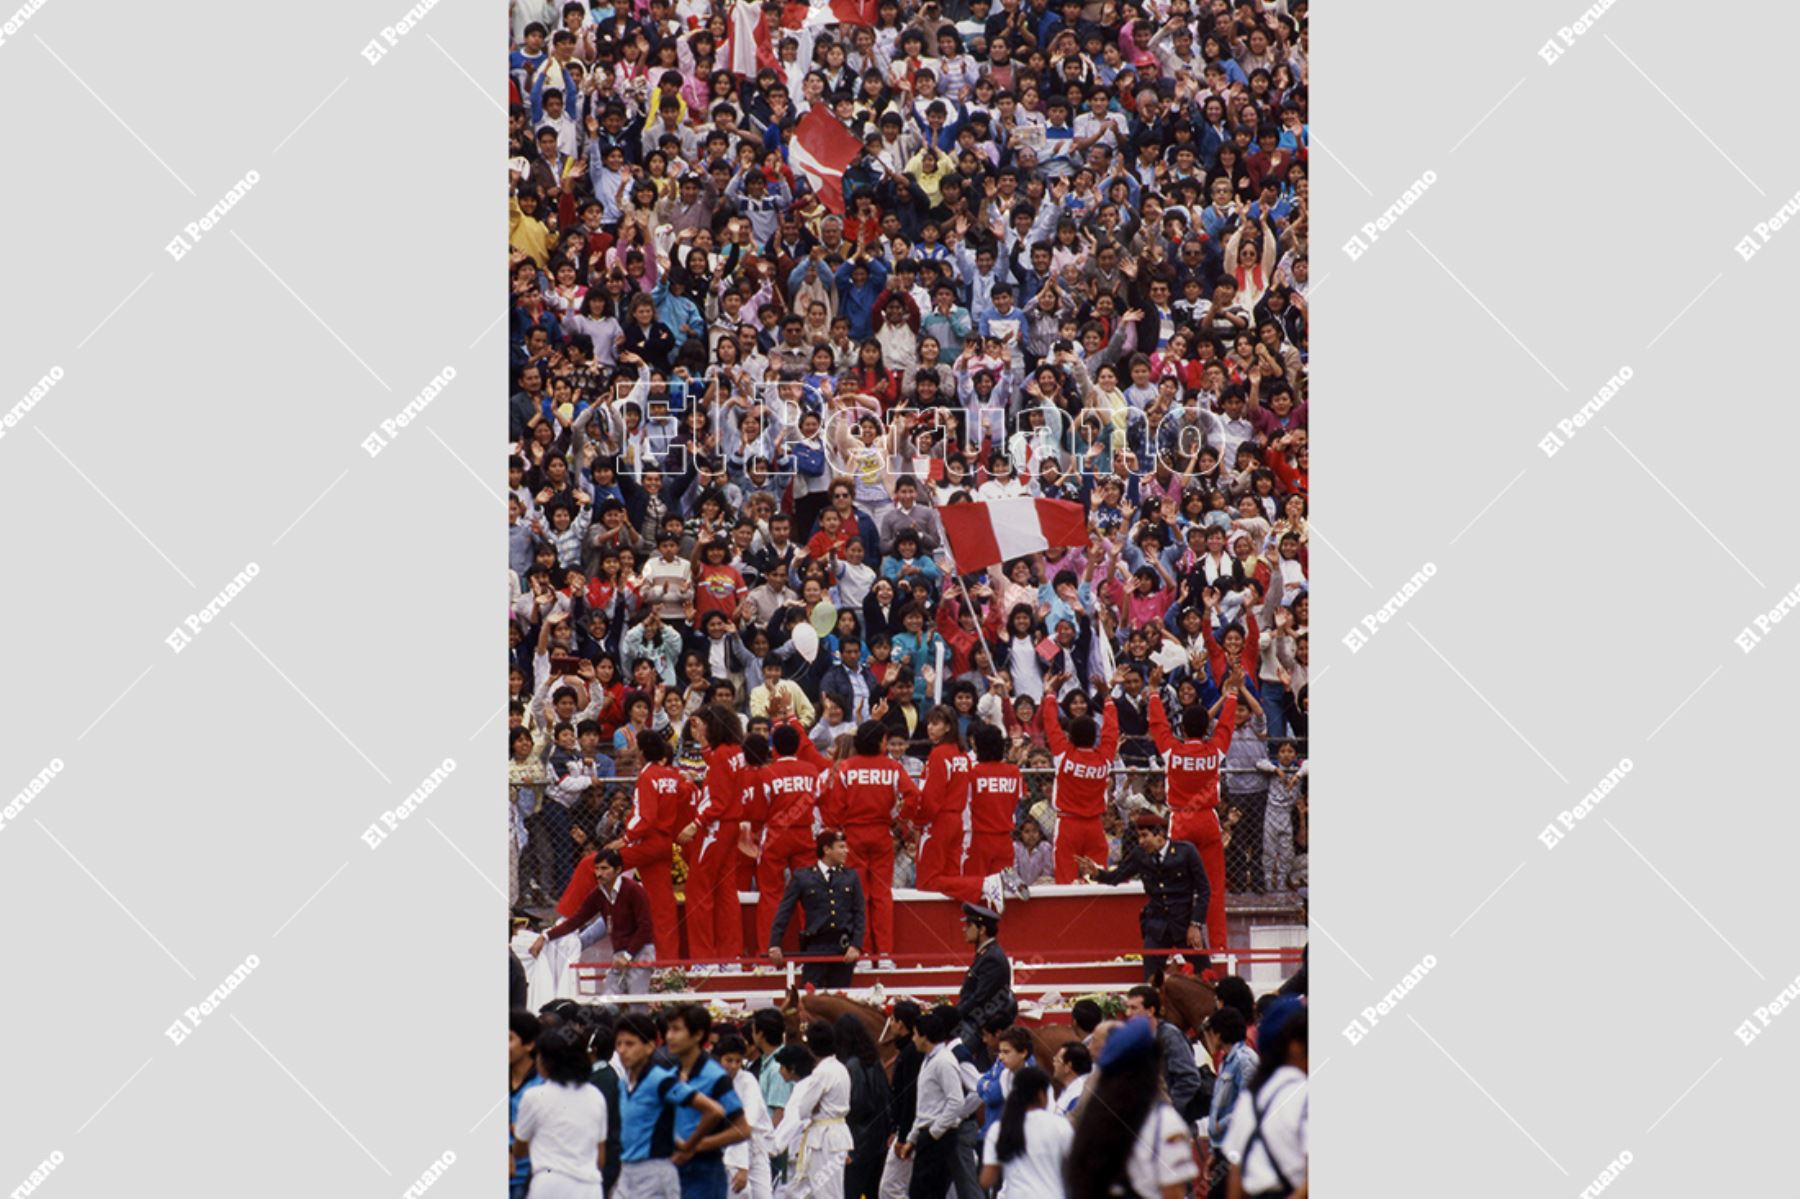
(623, 905)
(791, 787)
(1084, 758)
(1192, 762)
(861, 800)
(996, 792)
(663, 806)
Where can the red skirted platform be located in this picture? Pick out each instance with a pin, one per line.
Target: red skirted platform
(1071, 923)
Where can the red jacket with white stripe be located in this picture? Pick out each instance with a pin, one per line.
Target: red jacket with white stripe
(864, 790)
(660, 809)
(996, 789)
(1082, 775)
(727, 778)
(791, 789)
(1192, 766)
(946, 790)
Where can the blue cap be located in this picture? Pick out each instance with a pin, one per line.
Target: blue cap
(1277, 1015)
(1128, 1043)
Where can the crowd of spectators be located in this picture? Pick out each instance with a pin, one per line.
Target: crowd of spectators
(678, 1104)
(1072, 264)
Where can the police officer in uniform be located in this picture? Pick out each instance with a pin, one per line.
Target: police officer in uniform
(832, 897)
(987, 987)
(1175, 891)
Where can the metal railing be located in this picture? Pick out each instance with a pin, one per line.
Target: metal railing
(1265, 847)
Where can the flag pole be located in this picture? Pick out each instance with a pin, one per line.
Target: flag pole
(968, 602)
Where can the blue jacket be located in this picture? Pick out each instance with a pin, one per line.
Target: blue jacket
(674, 311)
(858, 303)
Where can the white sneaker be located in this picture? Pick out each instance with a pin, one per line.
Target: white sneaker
(703, 971)
(993, 892)
(887, 964)
(863, 966)
(731, 968)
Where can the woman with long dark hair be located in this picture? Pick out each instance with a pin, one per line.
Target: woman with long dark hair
(944, 799)
(1128, 1139)
(1028, 1145)
(714, 927)
(871, 1115)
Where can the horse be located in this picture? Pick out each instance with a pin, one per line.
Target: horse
(1187, 1002)
(801, 1009)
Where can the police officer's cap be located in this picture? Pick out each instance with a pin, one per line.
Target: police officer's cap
(980, 915)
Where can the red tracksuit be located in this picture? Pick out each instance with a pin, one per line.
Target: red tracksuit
(659, 811)
(860, 800)
(996, 789)
(1082, 777)
(715, 927)
(1193, 774)
(940, 815)
(791, 790)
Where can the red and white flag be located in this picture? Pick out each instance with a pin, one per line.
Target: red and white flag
(985, 533)
(747, 46)
(821, 149)
(798, 15)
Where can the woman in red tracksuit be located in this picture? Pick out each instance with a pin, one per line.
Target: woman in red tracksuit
(791, 786)
(1083, 773)
(861, 800)
(996, 792)
(715, 927)
(662, 807)
(1192, 768)
(939, 813)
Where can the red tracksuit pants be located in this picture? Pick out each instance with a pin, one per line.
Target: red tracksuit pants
(659, 888)
(1200, 828)
(783, 849)
(989, 853)
(1081, 835)
(941, 847)
(872, 857)
(941, 862)
(715, 925)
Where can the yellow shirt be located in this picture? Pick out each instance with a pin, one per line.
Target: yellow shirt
(528, 234)
(930, 182)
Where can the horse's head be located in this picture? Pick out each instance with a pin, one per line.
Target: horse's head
(792, 1013)
(1188, 1001)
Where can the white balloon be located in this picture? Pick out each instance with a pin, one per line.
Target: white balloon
(806, 640)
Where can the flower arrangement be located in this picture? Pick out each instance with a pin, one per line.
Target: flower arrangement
(1112, 1007)
(669, 980)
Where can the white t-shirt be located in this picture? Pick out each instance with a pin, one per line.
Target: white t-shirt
(565, 1125)
(1164, 1152)
(669, 575)
(1071, 1095)
(1038, 1172)
(1283, 1104)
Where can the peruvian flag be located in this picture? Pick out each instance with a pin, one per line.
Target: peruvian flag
(797, 15)
(994, 531)
(821, 149)
(747, 47)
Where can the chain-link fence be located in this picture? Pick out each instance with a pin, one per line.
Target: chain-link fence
(1262, 818)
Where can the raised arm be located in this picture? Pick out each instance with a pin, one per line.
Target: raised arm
(1160, 732)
